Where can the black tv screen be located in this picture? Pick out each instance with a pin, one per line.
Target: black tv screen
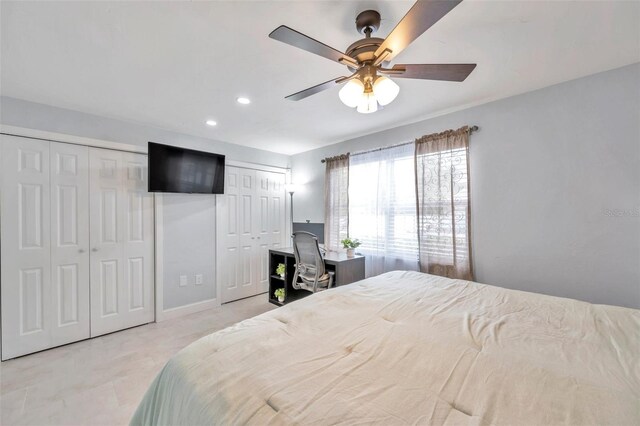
(174, 169)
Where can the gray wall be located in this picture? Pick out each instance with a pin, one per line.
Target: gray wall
(189, 248)
(189, 220)
(555, 186)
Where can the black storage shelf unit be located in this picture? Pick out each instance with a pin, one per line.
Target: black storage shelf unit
(275, 281)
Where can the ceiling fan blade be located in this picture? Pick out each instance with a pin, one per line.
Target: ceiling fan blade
(304, 42)
(444, 72)
(419, 19)
(315, 89)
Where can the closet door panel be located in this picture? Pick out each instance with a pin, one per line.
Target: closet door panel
(27, 317)
(237, 229)
(70, 242)
(262, 264)
(106, 236)
(137, 294)
(262, 219)
(248, 233)
(227, 233)
(271, 221)
(277, 220)
(121, 241)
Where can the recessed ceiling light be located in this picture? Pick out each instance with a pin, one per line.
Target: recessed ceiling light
(211, 123)
(243, 101)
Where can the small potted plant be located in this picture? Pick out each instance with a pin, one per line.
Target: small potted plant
(280, 270)
(350, 245)
(279, 293)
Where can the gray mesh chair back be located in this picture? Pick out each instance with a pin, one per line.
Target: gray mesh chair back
(310, 273)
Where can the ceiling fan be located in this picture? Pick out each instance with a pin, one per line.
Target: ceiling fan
(368, 59)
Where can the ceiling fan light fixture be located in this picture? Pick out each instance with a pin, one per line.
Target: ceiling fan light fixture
(352, 93)
(368, 104)
(368, 57)
(385, 90)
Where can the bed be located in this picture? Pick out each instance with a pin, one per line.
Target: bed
(409, 348)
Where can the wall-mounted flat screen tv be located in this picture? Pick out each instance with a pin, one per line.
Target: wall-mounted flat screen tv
(174, 169)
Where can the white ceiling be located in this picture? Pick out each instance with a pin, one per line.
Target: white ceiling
(176, 64)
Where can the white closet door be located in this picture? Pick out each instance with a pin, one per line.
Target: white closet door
(236, 230)
(121, 241)
(270, 222)
(69, 242)
(227, 230)
(27, 316)
(247, 234)
(138, 298)
(251, 221)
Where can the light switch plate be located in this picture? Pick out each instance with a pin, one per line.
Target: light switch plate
(198, 279)
(183, 281)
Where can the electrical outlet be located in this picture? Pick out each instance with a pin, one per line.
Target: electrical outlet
(183, 281)
(198, 279)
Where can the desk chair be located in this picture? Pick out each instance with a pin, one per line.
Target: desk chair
(310, 273)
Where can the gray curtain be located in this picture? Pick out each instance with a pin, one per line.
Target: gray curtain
(443, 204)
(336, 201)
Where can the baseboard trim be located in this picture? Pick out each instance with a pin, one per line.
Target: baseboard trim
(192, 308)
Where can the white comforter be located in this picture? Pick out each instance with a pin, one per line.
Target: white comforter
(410, 348)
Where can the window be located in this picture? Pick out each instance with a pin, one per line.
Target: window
(445, 180)
(382, 208)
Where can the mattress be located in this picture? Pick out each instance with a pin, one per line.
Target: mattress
(409, 348)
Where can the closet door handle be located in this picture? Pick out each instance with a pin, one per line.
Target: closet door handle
(81, 251)
(94, 249)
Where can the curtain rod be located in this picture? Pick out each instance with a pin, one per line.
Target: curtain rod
(472, 129)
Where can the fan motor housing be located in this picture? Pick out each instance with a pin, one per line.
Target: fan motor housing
(363, 50)
(367, 22)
